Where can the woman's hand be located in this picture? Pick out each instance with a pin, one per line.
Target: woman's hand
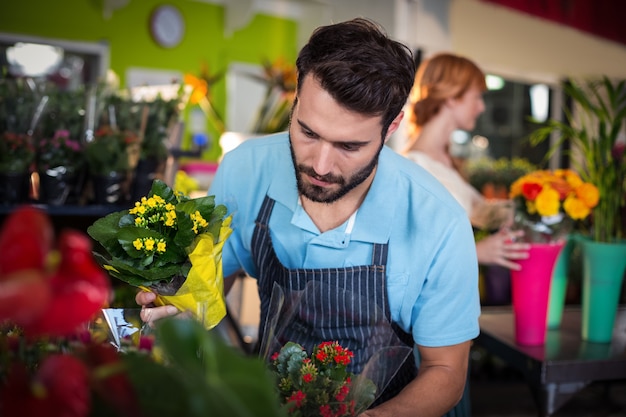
(150, 313)
(501, 249)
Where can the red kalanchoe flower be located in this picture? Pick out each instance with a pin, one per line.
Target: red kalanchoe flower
(297, 398)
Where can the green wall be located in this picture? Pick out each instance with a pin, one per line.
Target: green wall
(127, 33)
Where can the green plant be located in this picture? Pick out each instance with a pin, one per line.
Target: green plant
(596, 153)
(108, 151)
(280, 80)
(16, 152)
(59, 150)
(159, 115)
(499, 172)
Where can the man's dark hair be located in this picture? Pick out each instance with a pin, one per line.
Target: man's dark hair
(360, 67)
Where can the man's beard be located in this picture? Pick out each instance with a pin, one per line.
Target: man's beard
(322, 194)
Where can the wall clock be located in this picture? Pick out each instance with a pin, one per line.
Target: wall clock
(167, 26)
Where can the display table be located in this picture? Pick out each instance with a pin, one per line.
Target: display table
(562, 367)
(78, 217)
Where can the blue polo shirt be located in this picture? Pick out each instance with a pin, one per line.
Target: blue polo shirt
(432, 270)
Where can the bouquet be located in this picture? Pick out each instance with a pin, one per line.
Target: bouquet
(319, 384)
(171, 244)
(353, 373)
(549, 202)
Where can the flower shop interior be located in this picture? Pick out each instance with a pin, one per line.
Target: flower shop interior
(100, 98)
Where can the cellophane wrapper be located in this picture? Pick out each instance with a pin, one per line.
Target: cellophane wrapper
(386, 352)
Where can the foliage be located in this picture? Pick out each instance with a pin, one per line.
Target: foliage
(319, 384)
(65, 111)
(593, 133)
(17, 152)
(159, 114)
(547, 201)
(59, 150)
(108, 151)
(280, 80)
(500, 172)
(170, 243)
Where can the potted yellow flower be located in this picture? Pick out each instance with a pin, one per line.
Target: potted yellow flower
(547, 205)
(593, 135)
(596, 149)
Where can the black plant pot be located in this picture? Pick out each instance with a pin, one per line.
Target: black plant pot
(146, 172)
(109, 189)
(14, 187)
(56, 185)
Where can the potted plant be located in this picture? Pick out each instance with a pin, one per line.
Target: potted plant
(596, 152)
(107, 156)
(16, 156)
(157, 118)
(20, 110)
(596, 148)
(59, 160)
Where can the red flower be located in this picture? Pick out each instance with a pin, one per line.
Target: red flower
(307, 378)
(40, 300)
(59, 388)
(112, 383)
(80, 288)
(343, 393)
(321, 356)
(531, 190)
(297, 398)
(326, 411)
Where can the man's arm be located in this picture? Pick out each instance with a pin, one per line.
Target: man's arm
(437, 388)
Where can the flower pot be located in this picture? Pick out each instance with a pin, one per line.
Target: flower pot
(497, 285)
(558, 287)
(14, 187)
(603, 274)
(56, 185)
(531, 290)
(109, 189)
(145, 173)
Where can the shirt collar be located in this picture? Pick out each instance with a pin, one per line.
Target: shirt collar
(374, 220)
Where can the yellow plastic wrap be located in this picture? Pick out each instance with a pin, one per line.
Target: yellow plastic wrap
(202, 293)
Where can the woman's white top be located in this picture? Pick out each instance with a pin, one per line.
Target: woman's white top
(482, 213)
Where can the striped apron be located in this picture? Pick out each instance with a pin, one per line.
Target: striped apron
(348, 305)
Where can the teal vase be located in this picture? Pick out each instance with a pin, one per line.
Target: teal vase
(603, 274)
(558, 287)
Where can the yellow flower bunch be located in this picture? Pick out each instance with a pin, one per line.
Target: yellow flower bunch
(171, 244)
(548, 193)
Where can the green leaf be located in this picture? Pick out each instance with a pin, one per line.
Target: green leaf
(232, 384)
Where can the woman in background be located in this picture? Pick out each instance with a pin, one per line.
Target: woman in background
(447, 96)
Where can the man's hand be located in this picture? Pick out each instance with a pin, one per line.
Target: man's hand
(150, 313)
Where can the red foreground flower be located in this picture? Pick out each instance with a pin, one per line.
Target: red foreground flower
(34, 295)
(60, 388)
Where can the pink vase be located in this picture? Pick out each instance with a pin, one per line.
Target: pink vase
(530, 291)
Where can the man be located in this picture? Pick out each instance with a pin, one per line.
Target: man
(356, 216)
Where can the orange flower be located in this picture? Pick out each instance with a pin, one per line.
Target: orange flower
(589, 194)
(200, 88)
